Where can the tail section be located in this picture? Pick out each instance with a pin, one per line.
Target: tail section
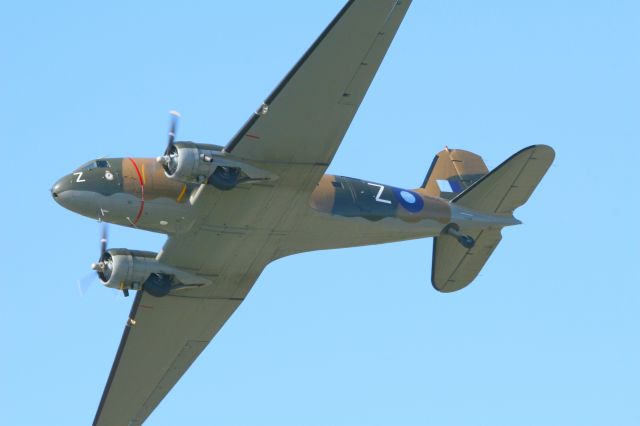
(500, 192)
(509, 185)
(451, 172)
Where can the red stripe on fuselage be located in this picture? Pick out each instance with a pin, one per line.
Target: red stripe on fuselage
(135, 166)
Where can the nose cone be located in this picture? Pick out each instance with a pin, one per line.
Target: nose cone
(77, 197)
(59, 188)
(61, 191)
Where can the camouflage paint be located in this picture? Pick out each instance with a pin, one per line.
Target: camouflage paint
(355, 198)
(125, 191)
(135, 192)
(456, 169)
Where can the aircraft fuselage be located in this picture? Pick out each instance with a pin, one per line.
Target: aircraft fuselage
(135, 192)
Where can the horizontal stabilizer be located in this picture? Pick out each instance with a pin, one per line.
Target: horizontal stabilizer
(509, 185)
(454, 266)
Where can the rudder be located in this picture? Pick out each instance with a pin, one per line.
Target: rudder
(452, 172)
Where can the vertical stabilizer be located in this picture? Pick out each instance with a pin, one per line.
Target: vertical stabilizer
(452, 171)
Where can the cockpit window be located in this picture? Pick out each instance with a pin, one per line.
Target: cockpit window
(103, 164)
(87, 166)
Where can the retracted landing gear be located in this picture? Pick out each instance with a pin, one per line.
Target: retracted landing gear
(465, 241)
(158, 285)
(225, 178)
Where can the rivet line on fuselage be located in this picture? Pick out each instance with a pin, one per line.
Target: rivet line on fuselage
(135, 166)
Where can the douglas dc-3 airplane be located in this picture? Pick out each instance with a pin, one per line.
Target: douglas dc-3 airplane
(230, 210)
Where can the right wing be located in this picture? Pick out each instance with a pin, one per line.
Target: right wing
(307, 115)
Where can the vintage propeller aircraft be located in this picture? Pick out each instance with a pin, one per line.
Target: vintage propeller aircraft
(230, 210)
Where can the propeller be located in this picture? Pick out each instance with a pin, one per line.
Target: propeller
(85, 283)
(99, 267)
(103, 267)
(168, 160)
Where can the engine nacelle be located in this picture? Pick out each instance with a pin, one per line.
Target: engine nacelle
(135, 270)
(189, 162)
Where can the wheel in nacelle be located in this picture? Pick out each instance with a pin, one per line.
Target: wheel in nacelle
(158, 285)
(225, 178)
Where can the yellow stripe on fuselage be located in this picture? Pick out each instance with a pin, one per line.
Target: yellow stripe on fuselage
(182, 192)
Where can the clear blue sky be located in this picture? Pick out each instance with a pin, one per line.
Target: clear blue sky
(547, 335)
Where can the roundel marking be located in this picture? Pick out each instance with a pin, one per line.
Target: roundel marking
(411, 201)
(108, 175)
(408, 197)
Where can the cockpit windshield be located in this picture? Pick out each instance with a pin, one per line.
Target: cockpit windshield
(101, 164)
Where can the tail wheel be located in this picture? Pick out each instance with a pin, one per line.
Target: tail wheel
(465, 241)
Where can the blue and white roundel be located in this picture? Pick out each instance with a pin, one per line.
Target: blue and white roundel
(408, 197)
(409, 200)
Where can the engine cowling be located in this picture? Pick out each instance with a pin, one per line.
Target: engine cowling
(140, 270)
(189, 162)
(127, 269)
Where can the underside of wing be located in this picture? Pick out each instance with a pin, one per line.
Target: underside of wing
(306, 116)
(162, 337)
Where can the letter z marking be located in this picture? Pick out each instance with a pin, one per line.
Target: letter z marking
(379, 194)
(79, 178)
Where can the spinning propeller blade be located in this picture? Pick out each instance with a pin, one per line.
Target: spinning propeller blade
(103, 239)
(175, 115)
(102, 266)
(168, 160)
(86, 282)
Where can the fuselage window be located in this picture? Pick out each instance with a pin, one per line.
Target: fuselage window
(102, 163)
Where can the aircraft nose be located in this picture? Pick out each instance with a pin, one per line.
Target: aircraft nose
(58, 188)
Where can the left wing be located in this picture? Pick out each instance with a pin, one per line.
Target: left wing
(162, 337)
